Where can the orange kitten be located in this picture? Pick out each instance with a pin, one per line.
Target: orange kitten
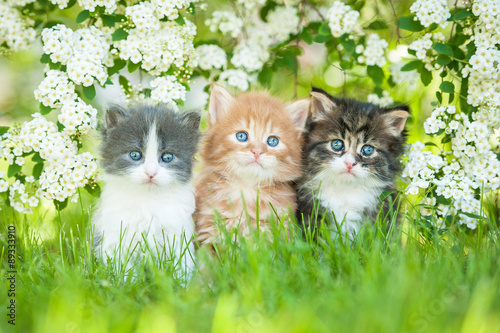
(253, 142)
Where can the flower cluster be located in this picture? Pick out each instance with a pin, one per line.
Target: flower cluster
(225, 22)
(156, 44)
(281, 22)
(84, 52)
(167, 90)
(483, 70)
(235, 78)
(431, 11)
(169, 8)
(91, 5)
(15, 31)
(341, 18)
(410, 78)
(374, 52)
(211, 57)
(385, 100)
(249, 56)
(64, 170)
(424, 50)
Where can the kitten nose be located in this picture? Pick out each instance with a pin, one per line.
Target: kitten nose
(151, 174)
(256, 153)
(349, 165)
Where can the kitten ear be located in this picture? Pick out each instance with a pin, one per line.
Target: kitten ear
(299, 110)
(220, 99)
(320, 103)
(397, 117)
(191, 119)
(114, 115)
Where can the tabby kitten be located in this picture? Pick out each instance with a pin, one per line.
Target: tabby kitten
(351, 155)
(147, 201)
(252, 145)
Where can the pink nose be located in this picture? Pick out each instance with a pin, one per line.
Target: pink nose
(256, 153)
(151, 175)
(349, 165)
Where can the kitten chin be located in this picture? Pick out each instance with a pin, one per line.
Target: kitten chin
(252, 145)
(147, 200)
(351, 156)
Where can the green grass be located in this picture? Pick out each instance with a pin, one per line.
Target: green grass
(400, 281)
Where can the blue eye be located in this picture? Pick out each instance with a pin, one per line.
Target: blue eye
(135, 155)
(367, 150)
(337, 145)
(273, 141)
(241, 136)
(167, 158)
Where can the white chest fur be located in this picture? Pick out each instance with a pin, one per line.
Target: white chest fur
(130, 216)
(348, 204)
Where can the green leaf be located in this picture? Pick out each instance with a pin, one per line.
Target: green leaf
(180, 20)
(45, 58)
(344, 64)
(431, 144)
(322, 38)
(443, 60)
(290, 60)
(473, 216)
(84, 15)
(412, 65)
(37, 158)
(108, 82)
(439, 96)
(124, 83)
(60, 205)
(409, 23)
(44, 109)
(119, 34)
(447, 87)
(117, 66)
(377, 25)
(132, 67)
(446, 139)
(108, 20)
(425, 76)
(265, 76)
(324, 29)
(443, 49)
(461, 15)
(37, 170)
(13, 170)
(3, 130)
(348, 43)
(385, 195)
(94, 190)
(376, 74)
(89, 92)
(306, 36)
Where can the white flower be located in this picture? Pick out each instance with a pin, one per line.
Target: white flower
(341, 19)
(236, 78)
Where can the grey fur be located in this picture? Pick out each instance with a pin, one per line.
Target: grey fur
(128, 129)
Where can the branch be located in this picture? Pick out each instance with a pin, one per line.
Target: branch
(315, 9)
(397, 23)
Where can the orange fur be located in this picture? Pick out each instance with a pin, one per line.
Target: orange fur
(229, 179)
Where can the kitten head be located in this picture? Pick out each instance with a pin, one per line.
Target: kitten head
(254, 136)
(150, 146)
(353, 143)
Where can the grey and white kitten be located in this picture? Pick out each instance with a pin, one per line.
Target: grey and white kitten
(351, 156)
(147, 200)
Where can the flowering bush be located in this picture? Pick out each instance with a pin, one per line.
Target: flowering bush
(257, 40)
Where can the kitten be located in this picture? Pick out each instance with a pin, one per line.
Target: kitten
(147, 201)
(251, 147)
(351, 156)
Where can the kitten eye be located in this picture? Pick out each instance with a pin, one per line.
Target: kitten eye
(135, 155)
(273, 141)
(337, 145)
(167, 157)
(367, 150)
(241, 136)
